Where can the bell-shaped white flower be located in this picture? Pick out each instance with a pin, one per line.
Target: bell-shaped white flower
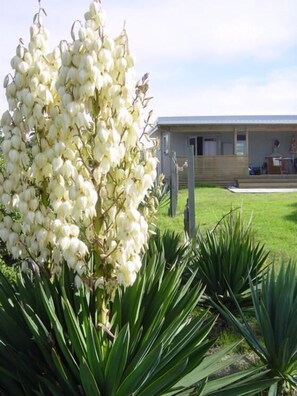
(73, 163)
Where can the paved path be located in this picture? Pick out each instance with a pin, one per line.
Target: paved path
(261, 190)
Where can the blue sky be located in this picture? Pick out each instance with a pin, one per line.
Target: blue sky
(205, 57)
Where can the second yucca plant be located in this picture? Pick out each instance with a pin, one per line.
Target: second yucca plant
(226, 258)
(275, 310)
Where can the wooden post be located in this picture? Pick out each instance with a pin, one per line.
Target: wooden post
(235, 141)
(191, 192)
(247, 142)
(173, 185)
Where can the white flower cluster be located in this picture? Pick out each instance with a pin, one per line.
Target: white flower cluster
(75, 169)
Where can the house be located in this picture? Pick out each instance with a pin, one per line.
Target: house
(228, 148)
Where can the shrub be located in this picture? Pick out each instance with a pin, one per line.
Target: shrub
(51, 341)
(275, 310)
(226, 258)
(175, 248)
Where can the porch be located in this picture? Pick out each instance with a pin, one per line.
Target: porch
(268, 181)
(232, 170)
(222, 170)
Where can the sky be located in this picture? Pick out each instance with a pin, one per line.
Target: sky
(204, 57)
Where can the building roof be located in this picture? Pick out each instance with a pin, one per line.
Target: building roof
(233, 120)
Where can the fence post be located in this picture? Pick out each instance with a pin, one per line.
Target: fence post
(173, 185)
(191, 191)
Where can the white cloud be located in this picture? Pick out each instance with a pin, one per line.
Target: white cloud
(172, 30)
(277, 95)
(166, 34)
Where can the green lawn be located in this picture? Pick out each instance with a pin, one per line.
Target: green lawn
(274, 216)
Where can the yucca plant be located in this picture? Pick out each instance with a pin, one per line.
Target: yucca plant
(226, 257)
(52, 344)
(175, 248)
(248, 383)
(202, 382)
(276, 311)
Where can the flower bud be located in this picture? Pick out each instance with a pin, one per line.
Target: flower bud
(34, 30)
(20, 51)
(30, 217)
(47, 171)
(7, 186)
(57, 163)
(6, 118)
(82, 34)
(37, 111)
(77, 47)
(105, 57)
(12, 104)
(28, 58)
(15, 61)
(99, 19)
(130, 61)
(82, 76)
(17, 117)
(29, 100)
(16, 142)
(94, 8)
(19, 80)
(13, 155)
(66, 58)
(78, 282)
(10, 90)
(4, 234)
(64, 243)
(23, 67)
(66, 98)
(6, 81)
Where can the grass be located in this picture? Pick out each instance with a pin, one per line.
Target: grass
(9, 271)
(274, 216)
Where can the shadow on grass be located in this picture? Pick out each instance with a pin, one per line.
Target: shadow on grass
(292, 215)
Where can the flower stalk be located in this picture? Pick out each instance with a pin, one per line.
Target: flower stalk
(75, 168)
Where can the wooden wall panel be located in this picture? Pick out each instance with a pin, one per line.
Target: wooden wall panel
(223, 169)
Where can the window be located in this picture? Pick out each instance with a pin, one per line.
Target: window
(199, 145)
(241, 145)
(197, 142)
(165, 144)
(210, 146)
(192, 142)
